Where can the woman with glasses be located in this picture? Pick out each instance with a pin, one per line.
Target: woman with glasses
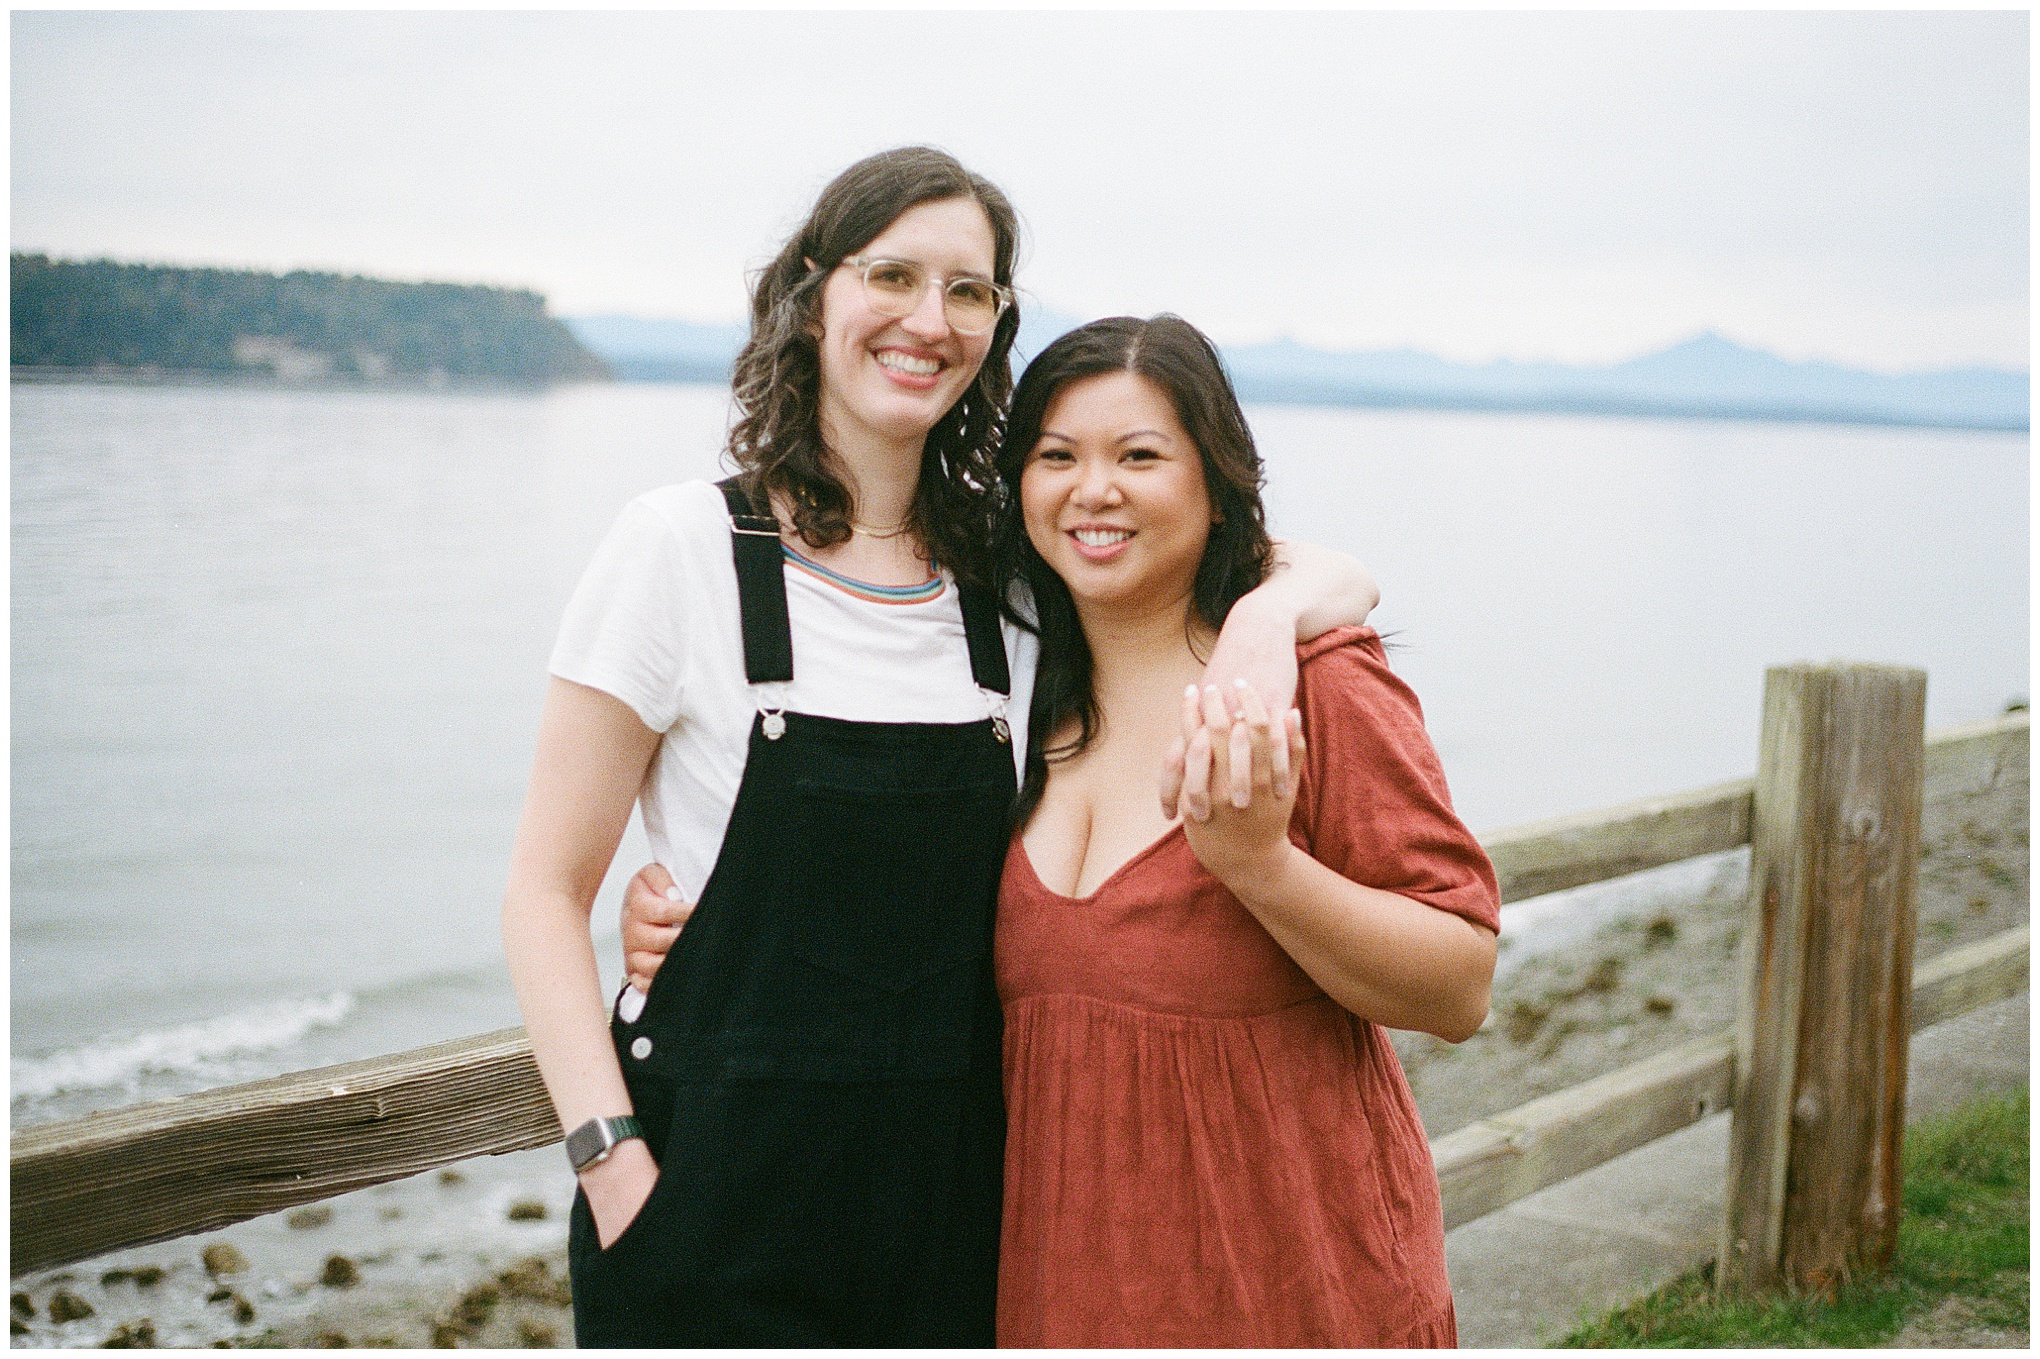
(803, 677)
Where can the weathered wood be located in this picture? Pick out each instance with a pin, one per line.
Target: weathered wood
(1492, 1163)
(1977, 756)
(1570, 851)
(154, 1171)
(1960, 980)
(1823, 1028)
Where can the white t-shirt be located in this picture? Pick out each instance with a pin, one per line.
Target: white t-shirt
(655, 623)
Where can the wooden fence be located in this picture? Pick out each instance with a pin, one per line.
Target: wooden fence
(152, 1172)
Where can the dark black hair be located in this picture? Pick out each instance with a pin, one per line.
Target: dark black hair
(776, 441)
(1174, 355)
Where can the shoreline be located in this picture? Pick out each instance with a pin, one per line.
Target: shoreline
(258, 380)
(477, 1256)
(628, 372)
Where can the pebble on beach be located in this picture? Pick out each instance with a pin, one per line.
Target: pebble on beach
(534, 1279)
(243, 1310)
(527, 1210)
(142, 1276)
(222, 1258)
(23, 1306)
(68, 1306)
(312, 1215)
(340, 1272)
(139, 1335)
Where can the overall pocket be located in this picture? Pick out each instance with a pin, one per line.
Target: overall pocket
(878, 893)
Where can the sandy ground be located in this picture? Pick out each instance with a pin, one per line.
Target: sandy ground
(478, 1258)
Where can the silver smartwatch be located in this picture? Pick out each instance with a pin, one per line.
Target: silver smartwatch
(594, 1140)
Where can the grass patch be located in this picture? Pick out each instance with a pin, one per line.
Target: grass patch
(1964, 1235)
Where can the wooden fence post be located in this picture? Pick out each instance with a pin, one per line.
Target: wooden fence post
(1822, 1028)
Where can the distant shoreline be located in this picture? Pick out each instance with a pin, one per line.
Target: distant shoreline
(1250, 391)
(107, 375)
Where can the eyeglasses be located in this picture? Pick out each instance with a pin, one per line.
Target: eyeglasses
(972, 306)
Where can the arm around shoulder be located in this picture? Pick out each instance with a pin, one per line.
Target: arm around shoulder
(1311, 591)
(1327, 588)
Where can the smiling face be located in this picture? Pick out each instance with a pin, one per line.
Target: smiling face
(888, 379)
(1114, 497)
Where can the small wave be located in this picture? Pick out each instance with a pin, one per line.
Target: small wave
(122, 1062)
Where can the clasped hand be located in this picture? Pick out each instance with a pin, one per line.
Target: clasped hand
(1238, 767)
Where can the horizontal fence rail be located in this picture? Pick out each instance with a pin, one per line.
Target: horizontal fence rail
(129, 1177)
(1571, 851)
(153, 1172)
(1507, 1156)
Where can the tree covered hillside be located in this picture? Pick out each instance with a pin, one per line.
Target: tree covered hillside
(102, 315)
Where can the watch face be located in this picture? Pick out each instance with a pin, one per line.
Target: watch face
(584, 1144)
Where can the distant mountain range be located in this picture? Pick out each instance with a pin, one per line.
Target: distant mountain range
(1706, 376)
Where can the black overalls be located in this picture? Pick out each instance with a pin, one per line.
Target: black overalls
(817, 1066)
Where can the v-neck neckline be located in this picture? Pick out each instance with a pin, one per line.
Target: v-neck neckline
(1140, 855)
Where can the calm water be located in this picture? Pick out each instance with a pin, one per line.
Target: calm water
(277, 662)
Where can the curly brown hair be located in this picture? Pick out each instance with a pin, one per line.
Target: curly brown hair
(776, 440)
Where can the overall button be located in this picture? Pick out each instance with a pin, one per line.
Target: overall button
(641, 1048)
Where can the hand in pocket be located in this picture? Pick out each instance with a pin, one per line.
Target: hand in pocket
(617, 1188)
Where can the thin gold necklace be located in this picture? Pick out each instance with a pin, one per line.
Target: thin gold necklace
(895, 531)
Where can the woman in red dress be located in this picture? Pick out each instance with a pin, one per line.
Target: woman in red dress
(1210, 1141)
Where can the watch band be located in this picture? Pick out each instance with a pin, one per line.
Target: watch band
(595, 1139)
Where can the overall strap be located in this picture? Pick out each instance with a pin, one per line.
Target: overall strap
(987, 647)
(761, 589)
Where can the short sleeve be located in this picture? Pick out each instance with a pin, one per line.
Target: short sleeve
(625, 627)
(1372, 800)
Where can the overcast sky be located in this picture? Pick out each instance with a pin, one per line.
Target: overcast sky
(1576, 186)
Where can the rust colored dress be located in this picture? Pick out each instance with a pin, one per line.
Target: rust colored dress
(1203, 1148)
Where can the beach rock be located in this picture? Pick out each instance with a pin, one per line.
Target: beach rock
(330, 1340)
(142, 1276)
(313, 1215)
(527, 1210)
(66, 1306)
(532, 1278)
(446, 1336)
(221, 1257)
(23, 1306)
(536, 1335)
(141, 1335)
(340, 1272)
(449, 1178)
(16, 1326)
(243, 1310)
(475, 1307)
